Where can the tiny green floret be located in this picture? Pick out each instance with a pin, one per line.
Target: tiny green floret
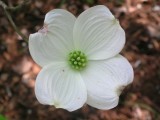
(77, 60)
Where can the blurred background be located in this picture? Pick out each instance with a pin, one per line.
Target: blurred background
(139, 101)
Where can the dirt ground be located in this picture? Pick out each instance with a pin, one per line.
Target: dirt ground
(139, 101)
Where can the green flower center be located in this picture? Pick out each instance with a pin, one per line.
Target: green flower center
(77, 60)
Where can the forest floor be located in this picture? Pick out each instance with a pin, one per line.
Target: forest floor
(139, 101)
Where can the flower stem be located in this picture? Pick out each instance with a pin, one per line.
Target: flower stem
(6, 8)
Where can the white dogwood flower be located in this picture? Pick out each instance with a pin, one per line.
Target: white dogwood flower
(80, 59)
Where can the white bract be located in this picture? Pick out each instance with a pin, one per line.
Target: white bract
(80, 59)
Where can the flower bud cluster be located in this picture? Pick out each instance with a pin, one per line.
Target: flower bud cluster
(77, 60)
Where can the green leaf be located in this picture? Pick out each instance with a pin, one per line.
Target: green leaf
(2, 117)
(90, 1)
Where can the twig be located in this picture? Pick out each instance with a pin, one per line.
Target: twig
(18, 6)
(5, 7)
